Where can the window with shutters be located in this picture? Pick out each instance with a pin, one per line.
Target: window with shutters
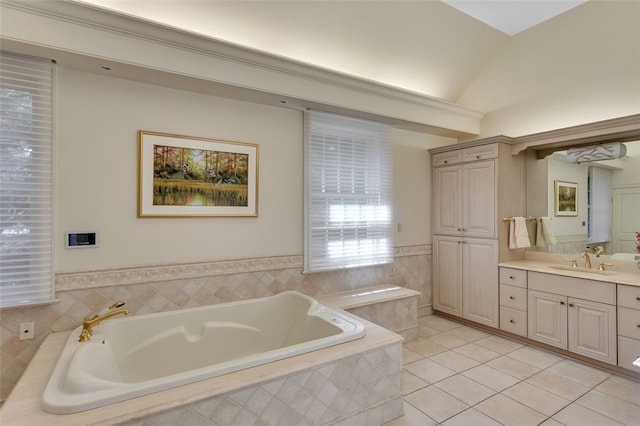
(348, 192)
(26, 175)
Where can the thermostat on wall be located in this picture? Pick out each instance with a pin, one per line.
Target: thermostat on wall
(80, 239)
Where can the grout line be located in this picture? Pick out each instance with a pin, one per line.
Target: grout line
(590, 388)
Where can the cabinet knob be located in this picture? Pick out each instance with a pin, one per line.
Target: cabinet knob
(511, 321)
(571, 304)
(638, 298)
(477, 156)
(562, 303)
(511, 297)
(511, 277)
(446, 161)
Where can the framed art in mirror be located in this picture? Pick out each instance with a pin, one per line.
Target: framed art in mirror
(566, 198)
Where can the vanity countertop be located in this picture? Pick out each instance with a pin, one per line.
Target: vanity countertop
(547, 266)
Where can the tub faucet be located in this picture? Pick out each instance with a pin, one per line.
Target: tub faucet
(587, 260)
(89, 323)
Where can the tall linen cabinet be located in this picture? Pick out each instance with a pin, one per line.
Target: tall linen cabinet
(474, 185)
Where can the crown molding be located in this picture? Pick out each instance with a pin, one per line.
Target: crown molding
(196, 56)
(621, 129)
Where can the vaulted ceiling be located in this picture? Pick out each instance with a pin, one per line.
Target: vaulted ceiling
(428, 47)
(425, 46)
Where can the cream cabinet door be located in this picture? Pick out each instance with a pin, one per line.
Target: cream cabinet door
(547, 318)
(592, 329)
(447, 200)
(447, 274)
(480, 286)
(479, 199)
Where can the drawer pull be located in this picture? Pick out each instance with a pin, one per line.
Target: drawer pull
(571, 304)
(638, 298)
(446, 161)
(511, 277)
(477, 156)
(511, 297)
(511, 321)
(562, 303)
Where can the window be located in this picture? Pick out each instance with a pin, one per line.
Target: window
(599, 205)
(348, 192)
(26, 252)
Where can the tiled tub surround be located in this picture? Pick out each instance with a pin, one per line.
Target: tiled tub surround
(138, 355)
(358, 382)
(169, 287)
(392, 307)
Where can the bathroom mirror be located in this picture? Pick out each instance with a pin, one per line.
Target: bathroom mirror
(608, 201)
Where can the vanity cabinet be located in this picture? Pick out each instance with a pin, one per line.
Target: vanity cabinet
(628, 326)
(465, 271)
(574, 314)
(548, 318)
(474, 185)
(513, 301)
(465, 200)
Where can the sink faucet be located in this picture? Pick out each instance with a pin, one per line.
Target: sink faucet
(587, 260)
(89, 323)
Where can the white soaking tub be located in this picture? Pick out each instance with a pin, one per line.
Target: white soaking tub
(133, 356)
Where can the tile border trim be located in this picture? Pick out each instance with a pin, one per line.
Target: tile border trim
(66, 281)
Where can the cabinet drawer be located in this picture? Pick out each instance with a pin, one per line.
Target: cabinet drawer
(513, 321)
(513, 297)
(444, 158)
(629, 322)
(628, 351)
(510, 276)
(480, 152)
(596, 291)
(629, 296)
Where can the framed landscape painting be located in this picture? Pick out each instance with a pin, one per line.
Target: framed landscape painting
(566, 195)
(191, 176)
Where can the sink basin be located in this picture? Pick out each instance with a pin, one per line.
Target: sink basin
(579, 269)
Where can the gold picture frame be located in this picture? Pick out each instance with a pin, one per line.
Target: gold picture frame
(566, 198)
(186, 176)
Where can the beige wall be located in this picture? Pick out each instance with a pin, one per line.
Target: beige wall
(579, 67)
(96, 171)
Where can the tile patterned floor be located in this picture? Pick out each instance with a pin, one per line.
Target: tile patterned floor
(457, 375)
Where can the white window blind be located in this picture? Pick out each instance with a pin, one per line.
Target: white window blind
(599, 205)
(348, 192)
(26, 252)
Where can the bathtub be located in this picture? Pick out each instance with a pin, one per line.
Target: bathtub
(133, 356)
